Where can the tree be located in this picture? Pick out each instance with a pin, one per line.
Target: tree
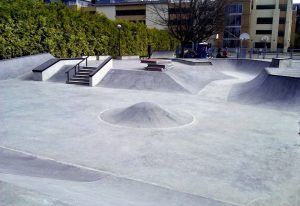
(189, 21)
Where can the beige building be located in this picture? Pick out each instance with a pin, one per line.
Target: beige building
(274, 19)
(269, 23)
(137, 11)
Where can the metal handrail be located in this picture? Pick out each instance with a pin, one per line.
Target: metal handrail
(101, 66)
(76, 68)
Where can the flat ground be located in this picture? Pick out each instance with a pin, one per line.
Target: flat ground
(56, 150)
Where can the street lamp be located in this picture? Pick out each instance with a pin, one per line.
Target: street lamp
(119, 27)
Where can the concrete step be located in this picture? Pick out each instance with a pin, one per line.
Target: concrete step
(87, 69)
(78, 82)
(81, 75)
(83, 72)
(80, 78)
(93, 68)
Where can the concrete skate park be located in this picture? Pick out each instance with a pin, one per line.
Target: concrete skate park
(224, 133)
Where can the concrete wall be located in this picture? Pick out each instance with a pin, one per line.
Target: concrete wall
(94, 80)
(48, 73)
(15, 67)
(108, 11)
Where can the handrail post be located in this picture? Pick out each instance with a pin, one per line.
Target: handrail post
(86, 61)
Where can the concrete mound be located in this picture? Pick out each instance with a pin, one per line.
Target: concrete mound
(141, 80)
(270, 90)
(145, 115)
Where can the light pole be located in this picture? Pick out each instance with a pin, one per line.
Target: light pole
(119, 27)
(265, 39)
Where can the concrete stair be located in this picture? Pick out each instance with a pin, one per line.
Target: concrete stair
(82, 76)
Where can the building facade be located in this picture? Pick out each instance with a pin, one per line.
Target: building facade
(270, 23)
(272, 18)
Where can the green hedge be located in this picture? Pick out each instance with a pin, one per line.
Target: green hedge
(30, 26)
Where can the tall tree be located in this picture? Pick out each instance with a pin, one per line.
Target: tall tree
(190, 20)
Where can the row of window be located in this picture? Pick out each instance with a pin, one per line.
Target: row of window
(269, 20)
(280, 33)
(130, 12)
(282, 7)
(236, 44)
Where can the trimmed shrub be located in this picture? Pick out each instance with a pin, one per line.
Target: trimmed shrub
(30, 26)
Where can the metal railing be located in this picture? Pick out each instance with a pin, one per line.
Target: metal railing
(128, 1)
(256, 53)
(99, 67)
(76, 68)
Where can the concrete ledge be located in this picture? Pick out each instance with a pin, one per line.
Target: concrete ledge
(101, 71)
(281, 62)
(43, 74)
(193, 63)
(94, 58)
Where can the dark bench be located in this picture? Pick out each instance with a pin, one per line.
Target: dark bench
(157, 64)
(46, 65)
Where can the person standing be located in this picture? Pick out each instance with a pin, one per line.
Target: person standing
(149, 51)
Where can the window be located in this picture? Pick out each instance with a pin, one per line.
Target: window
(179, 11)
(234, 9)
(262, 44)
(232, 32)
(263, 31)
(282, 20)
(282, 7)
(263, 20)
(233, 20)
(130, 12)
(280, 45)
(281, 33)
(265, 6)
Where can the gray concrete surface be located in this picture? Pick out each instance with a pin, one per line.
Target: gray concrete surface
(14, 195)
(17, 163)
(16, 67)
(231, 154)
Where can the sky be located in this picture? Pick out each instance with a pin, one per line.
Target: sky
(296, 1)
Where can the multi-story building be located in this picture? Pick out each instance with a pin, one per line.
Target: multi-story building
(269, 23)
(272, 18)
(297, 10)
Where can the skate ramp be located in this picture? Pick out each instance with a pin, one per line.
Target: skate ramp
(195, 78)
(17, 67)
(280, 91)
(247, 66)
(145, 115)
(141, 80)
